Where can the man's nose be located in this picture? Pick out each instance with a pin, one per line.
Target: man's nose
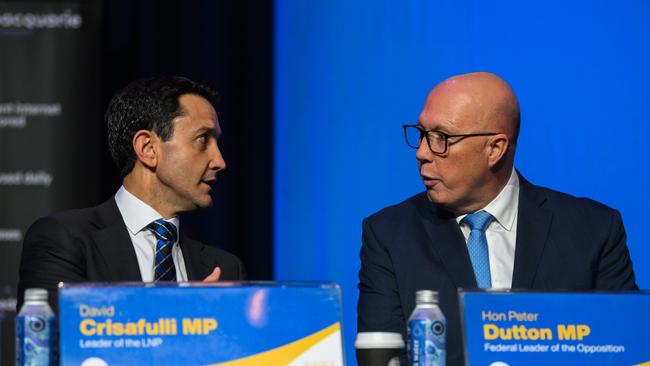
(216, 159)
(423, 153)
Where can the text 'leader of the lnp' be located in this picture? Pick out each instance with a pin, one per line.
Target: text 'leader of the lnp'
(162, 135)
(480, 223)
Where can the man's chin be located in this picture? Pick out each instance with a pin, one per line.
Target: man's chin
(433, 196)
(201, 204)
(204, 204)
(437, 199)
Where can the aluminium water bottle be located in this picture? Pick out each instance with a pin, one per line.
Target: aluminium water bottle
(427, 331)
(35, 330)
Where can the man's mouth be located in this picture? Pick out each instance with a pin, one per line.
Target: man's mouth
(209, 181)
(428, 180)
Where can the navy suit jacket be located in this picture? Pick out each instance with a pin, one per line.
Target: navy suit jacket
(562, 242)
(93, 245)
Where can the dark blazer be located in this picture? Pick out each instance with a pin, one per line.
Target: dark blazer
(562, 242)
(93, 245)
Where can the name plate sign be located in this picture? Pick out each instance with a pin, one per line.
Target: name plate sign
(230, 324)
(522, 328)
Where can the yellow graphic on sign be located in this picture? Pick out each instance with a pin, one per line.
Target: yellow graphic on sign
(285, 354)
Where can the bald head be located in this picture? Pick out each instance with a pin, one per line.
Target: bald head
(483, 98)
(477, 117)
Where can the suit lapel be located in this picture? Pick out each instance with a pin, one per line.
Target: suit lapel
(533, 226)
(447, 242)
(196, 264)
(113, 242)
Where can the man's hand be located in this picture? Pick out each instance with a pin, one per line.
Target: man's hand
(214, 276)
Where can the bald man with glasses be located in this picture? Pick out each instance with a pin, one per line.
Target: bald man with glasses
(479, 223)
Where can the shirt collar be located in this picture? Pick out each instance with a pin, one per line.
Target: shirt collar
(505, 205)
(137, 214)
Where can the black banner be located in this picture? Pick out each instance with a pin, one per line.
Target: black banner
(50, 125)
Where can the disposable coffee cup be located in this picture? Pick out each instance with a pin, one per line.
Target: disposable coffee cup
(379, 348)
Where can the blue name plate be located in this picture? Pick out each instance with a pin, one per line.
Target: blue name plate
(519, 328)
(234, 324)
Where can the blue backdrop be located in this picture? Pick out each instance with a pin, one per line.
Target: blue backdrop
(348, 74)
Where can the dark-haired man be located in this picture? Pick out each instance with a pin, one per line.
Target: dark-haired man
(479, 223)
(162, 136)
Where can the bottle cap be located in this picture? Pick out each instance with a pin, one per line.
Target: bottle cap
(426, 297)
(35, 294)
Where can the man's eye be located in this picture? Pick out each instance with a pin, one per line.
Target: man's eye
(202, 141)
(438, 137)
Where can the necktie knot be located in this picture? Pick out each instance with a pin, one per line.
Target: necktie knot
(478, 220)
(164, 230)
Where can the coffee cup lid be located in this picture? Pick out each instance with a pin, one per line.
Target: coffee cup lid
(378, 340)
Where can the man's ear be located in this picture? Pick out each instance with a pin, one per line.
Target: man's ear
(497, 148)
(145, 147)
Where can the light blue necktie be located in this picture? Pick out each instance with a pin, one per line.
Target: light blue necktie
(166, 234)
(477, 246)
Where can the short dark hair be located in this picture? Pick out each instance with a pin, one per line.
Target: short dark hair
(147, 104)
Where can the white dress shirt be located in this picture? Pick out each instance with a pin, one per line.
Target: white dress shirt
(137, 215)
(501, 234)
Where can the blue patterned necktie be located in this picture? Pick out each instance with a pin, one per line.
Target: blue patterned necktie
(165, 233)
(477, 246)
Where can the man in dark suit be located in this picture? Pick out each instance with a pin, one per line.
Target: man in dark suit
(162, 136)
(529, 237)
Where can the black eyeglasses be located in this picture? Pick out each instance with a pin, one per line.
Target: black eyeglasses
(438, 141)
